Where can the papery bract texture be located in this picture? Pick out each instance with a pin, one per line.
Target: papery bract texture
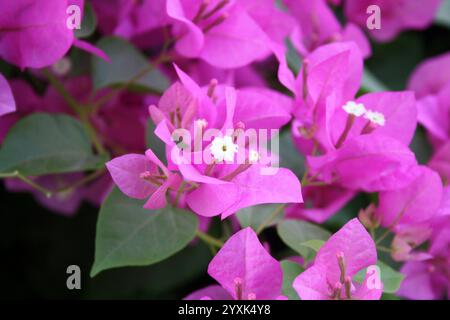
(244, 262)
(348, 251)
(7, 102)
(34, 33)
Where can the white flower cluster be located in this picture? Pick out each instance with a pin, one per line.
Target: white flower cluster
(358, 110)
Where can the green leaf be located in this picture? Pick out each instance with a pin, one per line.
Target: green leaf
(390, 65)
(389, 296)
(129, 235)
(421, 146)
(89, 22)
(443, 16)
(256, 215)
(391, 278)
(127, 65)
(47, 143)
(154, 143)
(290, 271)
(314, 244)
(163, 280)
(371, 84)
(293, 59)
(289, 156)
(295, 234)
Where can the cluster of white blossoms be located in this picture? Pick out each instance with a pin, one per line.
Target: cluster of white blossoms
(223, 149)
(358, 110)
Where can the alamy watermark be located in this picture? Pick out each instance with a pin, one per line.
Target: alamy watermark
(374, 20)
(73, 20)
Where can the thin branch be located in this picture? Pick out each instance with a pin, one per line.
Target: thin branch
(271, 218)
(209, 239)
(54, 81)
(16, 174)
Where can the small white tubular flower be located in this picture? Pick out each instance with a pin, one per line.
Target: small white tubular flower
(253, 156)
(201, 123)
(223, 149)
(353, 108)
(375, 117)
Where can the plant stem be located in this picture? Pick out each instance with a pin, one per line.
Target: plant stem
(47, 192)
(54, 81)
(78, 109)
(383, 236)
(92, 134)
(88, 178)
(269, 219)
(126, 85)
(348, 126)
(372, 232)
(209, 239)
(390, 227)
(179, 193)
(16, 174)
(384, 249)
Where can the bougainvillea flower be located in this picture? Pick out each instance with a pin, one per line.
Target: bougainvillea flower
(431, 83)
(224, 33)
(415, 203)
(391, 114)
(203, 72)
(407, 239)
(140, 177)
(321, 203)
(246, 189)
(430, 76)
(249, 187)
(35, 33)
(395, 16)
(331, 70)
(187, 105)
(411, 235)
(228, 186)
(212, 292)
(7, 102)
(367, 162)
(341, 133)
(330, 77)
(35, 37)
(317, 25)
(326, 109)
(244, 270)
(348, 251)
(137, 21)
(430, 279)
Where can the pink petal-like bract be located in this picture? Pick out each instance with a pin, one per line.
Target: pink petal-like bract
(244, 262)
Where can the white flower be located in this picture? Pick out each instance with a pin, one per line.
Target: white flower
(356, 109)
(201, 123)
(223, 149)
(375, 117)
